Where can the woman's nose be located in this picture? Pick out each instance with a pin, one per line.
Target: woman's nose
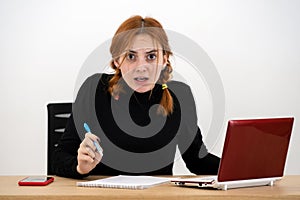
(141, 65)
(141, 68)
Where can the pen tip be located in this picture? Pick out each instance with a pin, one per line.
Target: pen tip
(86, 127)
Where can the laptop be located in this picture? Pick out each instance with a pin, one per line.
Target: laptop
(254, 154)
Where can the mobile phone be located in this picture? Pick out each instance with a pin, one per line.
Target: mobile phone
(36, 181)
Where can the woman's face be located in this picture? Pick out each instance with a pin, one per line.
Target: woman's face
(142, 63)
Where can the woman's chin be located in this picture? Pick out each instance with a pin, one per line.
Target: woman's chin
(143, 88)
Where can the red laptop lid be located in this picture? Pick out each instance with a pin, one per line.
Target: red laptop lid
(255, 148)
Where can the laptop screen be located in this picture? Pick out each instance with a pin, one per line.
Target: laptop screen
(255, 148)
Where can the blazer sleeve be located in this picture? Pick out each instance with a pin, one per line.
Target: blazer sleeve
(192, 148)
(65, 155)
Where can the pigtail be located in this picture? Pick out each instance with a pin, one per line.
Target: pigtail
(114, 87)
(166, 101)
(121, 41)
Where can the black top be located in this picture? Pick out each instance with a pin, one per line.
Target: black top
(135, 139)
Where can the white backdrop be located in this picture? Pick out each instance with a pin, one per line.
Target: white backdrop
(254, 45)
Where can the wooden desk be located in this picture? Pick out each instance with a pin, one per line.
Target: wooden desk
(63, 188)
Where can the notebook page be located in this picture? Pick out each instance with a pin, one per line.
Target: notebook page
(126, 182)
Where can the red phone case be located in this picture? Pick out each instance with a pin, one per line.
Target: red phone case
(35, 183)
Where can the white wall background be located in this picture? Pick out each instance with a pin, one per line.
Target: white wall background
(254, 45)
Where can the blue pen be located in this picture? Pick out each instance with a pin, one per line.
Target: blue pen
(99, 149)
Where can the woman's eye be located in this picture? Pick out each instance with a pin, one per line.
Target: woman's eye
(131, 56)
(151, 56)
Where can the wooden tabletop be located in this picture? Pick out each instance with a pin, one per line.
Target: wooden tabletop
(64, 188)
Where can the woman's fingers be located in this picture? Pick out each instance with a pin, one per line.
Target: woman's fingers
(98, 156)
(83, 158)
(90, 140)
(88, 155)
(92, 137)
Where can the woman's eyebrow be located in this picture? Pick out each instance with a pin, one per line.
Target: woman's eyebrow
(152, 51)
(132, 51)
(148, 52)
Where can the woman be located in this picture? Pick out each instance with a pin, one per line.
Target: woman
(137, 115)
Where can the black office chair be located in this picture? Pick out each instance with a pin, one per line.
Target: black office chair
(58, 113)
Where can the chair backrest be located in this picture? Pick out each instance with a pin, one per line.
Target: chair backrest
(58, 114)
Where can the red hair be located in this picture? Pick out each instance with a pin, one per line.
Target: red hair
(121, 40)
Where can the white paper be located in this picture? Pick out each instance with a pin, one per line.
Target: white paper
(126, 182)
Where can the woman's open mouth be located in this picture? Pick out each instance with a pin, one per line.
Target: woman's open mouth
(141, 79)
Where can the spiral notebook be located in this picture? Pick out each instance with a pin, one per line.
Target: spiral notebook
(125, 182)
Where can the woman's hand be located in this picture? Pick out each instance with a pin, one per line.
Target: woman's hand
(88, 156)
